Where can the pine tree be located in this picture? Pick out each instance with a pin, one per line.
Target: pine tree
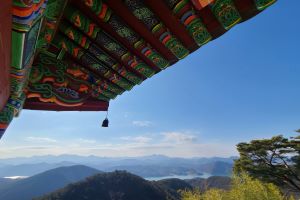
(275, 160)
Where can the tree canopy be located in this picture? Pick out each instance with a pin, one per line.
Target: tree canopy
(275, 160)
(243, 188)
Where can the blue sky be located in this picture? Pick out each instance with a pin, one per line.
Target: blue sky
(242, 86)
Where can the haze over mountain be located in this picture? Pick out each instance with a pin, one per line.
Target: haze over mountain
(111, 184)
(126, 186)
(153, 167)
(146, 166)
(29, 169)
(6, 181)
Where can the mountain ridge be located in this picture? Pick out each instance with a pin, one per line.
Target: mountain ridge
(59, 178)
(45, 182)
(112, 185)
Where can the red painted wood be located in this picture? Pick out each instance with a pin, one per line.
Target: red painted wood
(110, 31)
(247, 8)
(70, 58)
(5, 49)
(120, 9)
(167, 17)
(115, 57)
(199, 4)
(211, 22)
(89, 105)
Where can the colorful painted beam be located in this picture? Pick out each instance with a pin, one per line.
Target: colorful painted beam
(200, 4)
(80, 54)
(138, 27)
(157, 27)
(185, 13)
(94, 49)
(106, 15)
(88, 105)
(26, 21)
(63, 83)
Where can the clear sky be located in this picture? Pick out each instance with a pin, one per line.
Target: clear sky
(242, 86)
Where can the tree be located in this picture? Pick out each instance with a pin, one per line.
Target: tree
(243, 188)
(275, 160)
(296, 145)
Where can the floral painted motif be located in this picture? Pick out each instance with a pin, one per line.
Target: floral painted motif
(145, 15)
(226, 13)
(262, 4)
(59, 82)
(90, 61)
(183, 10)
(127, 33)
(106, 41)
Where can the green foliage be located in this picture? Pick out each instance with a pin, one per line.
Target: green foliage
(246, 188)
(214, 194)
(191, 194)
(275, 160)
(243, 188)
(113, 186)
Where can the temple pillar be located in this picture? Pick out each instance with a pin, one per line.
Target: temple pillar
(5, 52)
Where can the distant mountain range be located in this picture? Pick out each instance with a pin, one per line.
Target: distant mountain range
(29, 169)
(147, 166)
(52, 159)
(110, 186)
(5, 181)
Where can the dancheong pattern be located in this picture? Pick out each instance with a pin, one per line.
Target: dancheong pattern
(60, 82)
(226, 13)
(27, 16)
(70, 53)
(97, 52)
(101, 38)
(90, 61)
(144, 14)
(262, 4)
(183, 10)
(105, 14)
